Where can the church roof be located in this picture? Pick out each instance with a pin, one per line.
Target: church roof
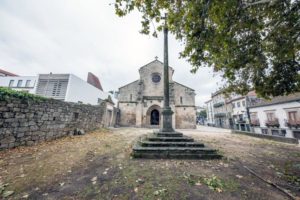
(156, 60)
(128, 84)
(184, 85)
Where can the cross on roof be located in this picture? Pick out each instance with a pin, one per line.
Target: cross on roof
(156, 57)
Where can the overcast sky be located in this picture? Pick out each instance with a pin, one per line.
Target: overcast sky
(81, 36)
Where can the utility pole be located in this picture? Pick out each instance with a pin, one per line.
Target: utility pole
(167, 112)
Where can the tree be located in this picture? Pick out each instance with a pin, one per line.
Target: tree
(202, 114)
(253, 44)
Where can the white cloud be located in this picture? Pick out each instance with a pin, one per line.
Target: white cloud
(78, 36)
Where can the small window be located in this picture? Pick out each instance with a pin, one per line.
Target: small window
(181, 101)
(275, 132)
(130, 97)
(11, 83)
(244, 103)
(264, 131)
(19, 83)
(233, 105)
(27, 83)
(76, 115)
(238, 104)
(283, 132)
(270, 116)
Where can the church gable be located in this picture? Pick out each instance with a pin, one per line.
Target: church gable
(129, 92)
(183, 95)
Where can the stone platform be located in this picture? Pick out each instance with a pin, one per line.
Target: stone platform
(172, 145)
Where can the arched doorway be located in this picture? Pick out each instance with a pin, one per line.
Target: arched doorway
(154, 117)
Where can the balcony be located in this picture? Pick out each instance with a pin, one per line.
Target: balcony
(255, 122)
(220, 115)
(241, 121)
(292, 123)
(273, 123)
(219, 104)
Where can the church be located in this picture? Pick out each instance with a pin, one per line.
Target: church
(141, 102)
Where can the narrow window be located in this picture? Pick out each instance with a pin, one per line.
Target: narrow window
(233, 105)
(11, 83)
(292, 116)
(27, 83)
(19, 83)
(181, 101)
(270, 116)
(76, 115)
(244, 103)
(238, 104)
(130, 97)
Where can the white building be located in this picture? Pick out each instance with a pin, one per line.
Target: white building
(210, 113)
(240, 113)
(19, 83)
(70, 88)
(280, 116)
(222, 110)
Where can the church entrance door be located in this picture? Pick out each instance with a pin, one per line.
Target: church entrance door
(154, 120)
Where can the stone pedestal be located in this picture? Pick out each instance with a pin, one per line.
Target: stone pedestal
(167, 120)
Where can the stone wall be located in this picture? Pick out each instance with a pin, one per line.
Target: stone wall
(185, 117)
(29, 121)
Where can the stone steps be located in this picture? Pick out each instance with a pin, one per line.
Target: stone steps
(168, 134)
(202, 150)
(170, 144)
(171, 139)
(175, 156)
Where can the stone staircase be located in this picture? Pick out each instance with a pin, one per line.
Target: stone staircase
(172, 145)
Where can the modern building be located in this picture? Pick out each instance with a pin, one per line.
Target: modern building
(141, 102)
(6, 73)
(279, 116)
(19, 83)
(70, 88)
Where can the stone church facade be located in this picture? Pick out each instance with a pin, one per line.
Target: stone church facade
(141, 102)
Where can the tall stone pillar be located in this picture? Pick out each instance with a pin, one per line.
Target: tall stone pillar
(167, 111)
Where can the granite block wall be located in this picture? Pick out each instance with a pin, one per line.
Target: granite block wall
(30, 121)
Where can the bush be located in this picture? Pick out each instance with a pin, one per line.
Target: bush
(7, 93)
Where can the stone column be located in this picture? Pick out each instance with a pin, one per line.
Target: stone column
(167, 111)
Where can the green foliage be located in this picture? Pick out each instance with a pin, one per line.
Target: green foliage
(203, 114)
(7, 93)
(253, 44)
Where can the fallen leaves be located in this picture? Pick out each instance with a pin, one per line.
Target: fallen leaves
(94, 180)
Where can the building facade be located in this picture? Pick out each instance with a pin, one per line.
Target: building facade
(210, 121)
(279, 116)
(141, 102)
(70, 88)
(222, 110)
(240, 112)
(20, 83)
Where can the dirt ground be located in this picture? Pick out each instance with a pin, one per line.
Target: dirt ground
(98, 166)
